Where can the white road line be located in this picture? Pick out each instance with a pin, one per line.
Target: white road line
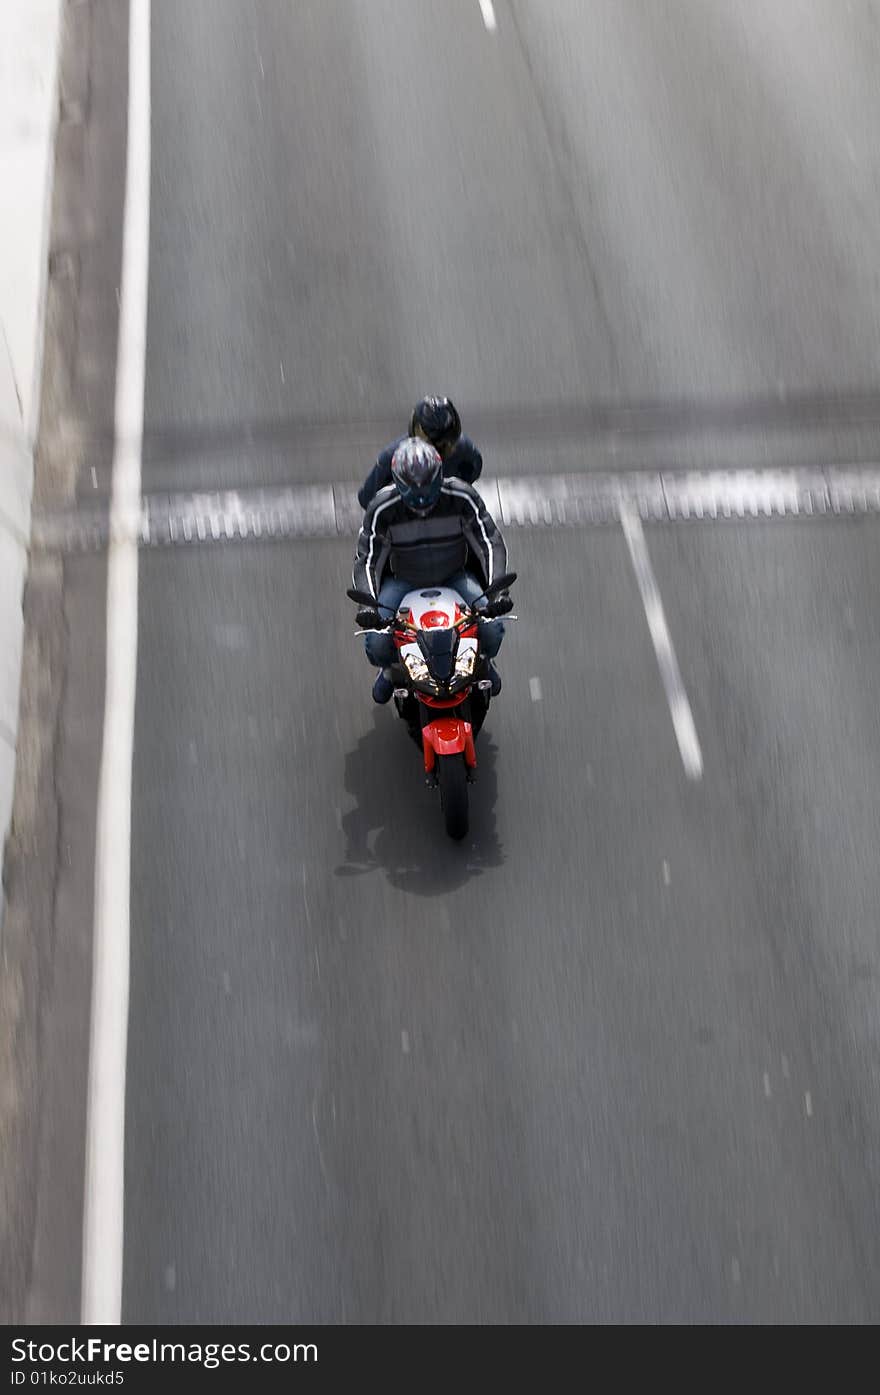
(535, 689)
(581, 500)
(679, 707)
(105, 1130)
(488, 12)
(808, 1104)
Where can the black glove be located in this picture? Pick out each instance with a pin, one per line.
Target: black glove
(368, 619)
(502, 605)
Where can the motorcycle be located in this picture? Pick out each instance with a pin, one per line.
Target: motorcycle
(441, 682)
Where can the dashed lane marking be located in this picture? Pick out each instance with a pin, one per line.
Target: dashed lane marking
(551, 501)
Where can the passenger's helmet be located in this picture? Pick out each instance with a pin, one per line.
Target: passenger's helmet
(417, 470)
(436, 419)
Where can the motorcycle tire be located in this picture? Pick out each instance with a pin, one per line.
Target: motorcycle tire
(452, 775)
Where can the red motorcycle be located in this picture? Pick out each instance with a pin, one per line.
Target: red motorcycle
(441, 683)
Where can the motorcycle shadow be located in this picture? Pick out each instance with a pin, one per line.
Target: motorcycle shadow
(396, 824)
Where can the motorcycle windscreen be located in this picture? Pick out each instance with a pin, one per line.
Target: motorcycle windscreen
(439, 648)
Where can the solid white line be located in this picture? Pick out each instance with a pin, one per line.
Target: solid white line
(679, 707)
(105, 1130)
(488, 12)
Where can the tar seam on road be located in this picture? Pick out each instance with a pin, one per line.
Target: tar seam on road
(563, 501)
(676, 696)
(105, 1131)
(590, 423)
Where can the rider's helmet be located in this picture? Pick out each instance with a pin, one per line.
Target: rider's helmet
(417, 470)
(436, 419)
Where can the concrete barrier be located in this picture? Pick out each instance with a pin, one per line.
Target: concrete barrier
(29, 40)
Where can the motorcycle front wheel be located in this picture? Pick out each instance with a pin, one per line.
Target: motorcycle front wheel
(452, 775)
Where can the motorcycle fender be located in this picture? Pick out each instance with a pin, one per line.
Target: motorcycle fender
(448, 736)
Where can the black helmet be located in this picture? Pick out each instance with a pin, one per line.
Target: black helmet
(417, 470)
(436, 419)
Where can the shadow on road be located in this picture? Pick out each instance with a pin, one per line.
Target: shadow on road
(396, 824)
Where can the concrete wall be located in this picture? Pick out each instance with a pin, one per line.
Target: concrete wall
(29, 38)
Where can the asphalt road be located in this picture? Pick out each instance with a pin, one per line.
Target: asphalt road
(616, 1058)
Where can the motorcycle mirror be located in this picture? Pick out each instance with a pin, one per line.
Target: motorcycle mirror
(502, 584)
(362, 597)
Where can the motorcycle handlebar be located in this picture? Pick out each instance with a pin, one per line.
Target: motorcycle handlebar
(500, 606)
(462, 624)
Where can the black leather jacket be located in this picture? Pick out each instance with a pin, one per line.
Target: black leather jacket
(464, 462)
(458, 534)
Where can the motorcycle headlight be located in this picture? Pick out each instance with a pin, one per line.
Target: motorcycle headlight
(417, 668)
(464, 661)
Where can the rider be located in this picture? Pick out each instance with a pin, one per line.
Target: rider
(419, 531)
(434, 419)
